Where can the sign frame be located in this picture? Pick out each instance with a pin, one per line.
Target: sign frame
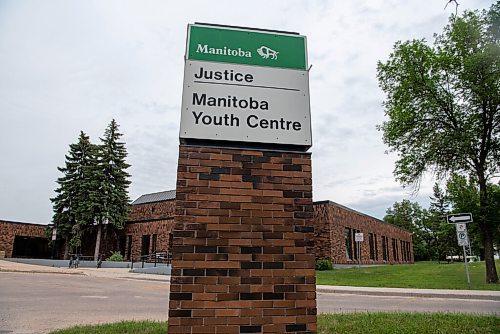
(459, 218)
(280, 81)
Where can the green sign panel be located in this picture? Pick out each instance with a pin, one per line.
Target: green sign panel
(250, 47)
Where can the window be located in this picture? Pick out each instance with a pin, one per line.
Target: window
(406, 251)
(122, 244)
(355, 252)
(129, 246)
(385, 251)
(376, 247)
(153, 242)
(348, 243)
(395, 250)
(372, 246)
(403, 250)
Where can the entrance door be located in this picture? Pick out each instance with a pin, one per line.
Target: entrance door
(145, 245)
(31, 247)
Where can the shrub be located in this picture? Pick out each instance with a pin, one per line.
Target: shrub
(115, 257)
(324, 264)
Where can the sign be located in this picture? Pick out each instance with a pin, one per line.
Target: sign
(54, 234)
(246, 85)
(358, 237)
(462, 236)
(246, 46)
(459, 218)
(230, 102)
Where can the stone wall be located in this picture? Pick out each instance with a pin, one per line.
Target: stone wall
(9, 230)
(334, 222)
(243, 241)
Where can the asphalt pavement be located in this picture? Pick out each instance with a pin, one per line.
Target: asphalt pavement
(123, 273)
(37, 299)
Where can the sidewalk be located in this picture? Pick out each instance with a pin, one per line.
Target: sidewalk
(404, 292)
(113, 273)
(123, 273)
(8, 266)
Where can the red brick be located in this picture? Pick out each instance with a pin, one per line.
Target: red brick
(253, 213)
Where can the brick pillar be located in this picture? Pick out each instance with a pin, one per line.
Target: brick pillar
(243, 259)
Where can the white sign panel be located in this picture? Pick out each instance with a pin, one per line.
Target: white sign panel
(459, 218)
(462, 236)
(232, 102)
(358, 237)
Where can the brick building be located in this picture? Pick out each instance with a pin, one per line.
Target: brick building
(149, 227)
(335, 228)
(23, 240)
(151, 220)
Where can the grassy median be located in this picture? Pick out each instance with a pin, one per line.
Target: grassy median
(421, 275)
(356, 323)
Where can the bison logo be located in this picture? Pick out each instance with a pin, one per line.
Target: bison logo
(266, 52)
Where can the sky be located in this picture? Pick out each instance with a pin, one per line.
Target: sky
(71, 66)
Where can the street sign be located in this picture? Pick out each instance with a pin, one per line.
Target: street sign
(459, 218)
(246, 85)
(358, 237)
(462, 236)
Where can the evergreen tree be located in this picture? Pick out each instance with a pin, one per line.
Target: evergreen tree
(446, 239)
(111, 201)
(71, 194)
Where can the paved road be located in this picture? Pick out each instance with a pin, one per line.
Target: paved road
(37, 303)
(343, 303)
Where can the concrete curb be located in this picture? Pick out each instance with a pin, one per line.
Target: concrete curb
(41, 272)
(401, 292)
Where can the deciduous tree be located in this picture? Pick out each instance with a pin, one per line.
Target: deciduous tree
(443, 112)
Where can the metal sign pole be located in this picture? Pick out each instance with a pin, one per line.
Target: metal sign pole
(359, 254)
(466, 267)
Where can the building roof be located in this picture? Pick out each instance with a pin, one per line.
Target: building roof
(21, 223)
(359, 213)
(155, 197)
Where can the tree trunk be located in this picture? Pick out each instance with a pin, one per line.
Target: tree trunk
(66, 248)
(98, 242)
(487, 233)
(491, 270)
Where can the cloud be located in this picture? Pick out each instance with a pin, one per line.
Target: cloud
(71, 66)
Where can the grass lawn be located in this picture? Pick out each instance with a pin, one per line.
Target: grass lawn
(357, 323)
(124, 327)
(407, 323)
(421, 275)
